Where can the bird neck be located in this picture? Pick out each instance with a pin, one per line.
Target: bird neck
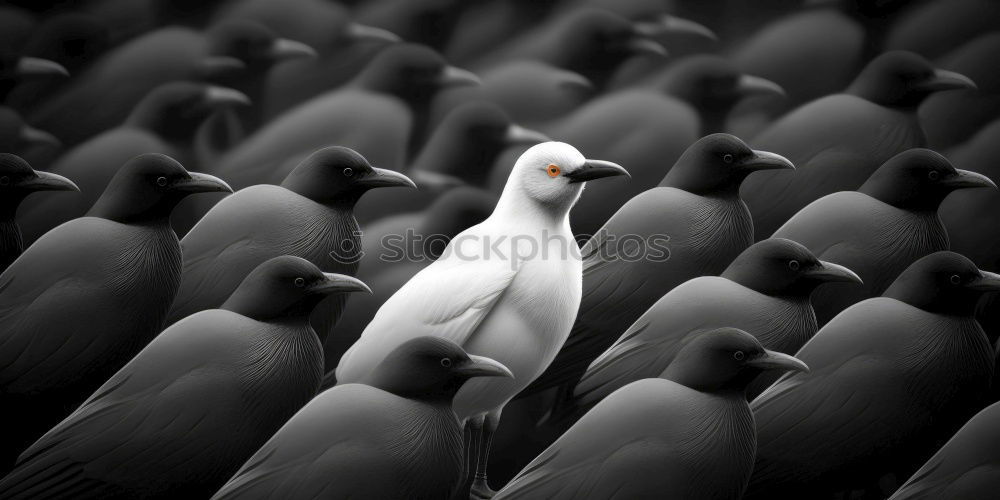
(904, 199)
(528, 213)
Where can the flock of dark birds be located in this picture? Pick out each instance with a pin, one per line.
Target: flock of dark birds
(781, 220)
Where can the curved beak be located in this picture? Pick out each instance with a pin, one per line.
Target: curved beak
(596, 169)
(517, 134)
(338, 283)
(47, 181)
(749, 85)
(216, 66)
(434, 180)
(773, 360)
(202, 183)
(574, 81)
(36, 66)
(764, 160)
(361, 32)
(381, 177)
(671, 25)
(988, 282)
(479, 366)
(283, 49)
(457, 77)
(947, 80)
(968, 179)
(640, 45)
(828, 272)
(225, 96)
(32, 135)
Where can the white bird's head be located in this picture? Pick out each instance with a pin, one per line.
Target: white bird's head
(551, 176)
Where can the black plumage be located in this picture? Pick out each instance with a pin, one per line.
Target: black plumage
(17, 181)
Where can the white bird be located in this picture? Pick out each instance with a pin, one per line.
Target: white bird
(507, 288)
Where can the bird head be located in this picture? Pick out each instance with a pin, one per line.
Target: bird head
(717, 164)
(412, 72)
(713, 85)
(467, 142)
(431, 369)
(780, 267)
(16, 135)
(148, 187)
(18, 180)
(725, 360)
(175, 110)
(17, 68)
(903, 80)
(287, 287)
(550, 176)
(339, 176)
(72, 39)
(943, 282)
(236, 46)
(920, 179)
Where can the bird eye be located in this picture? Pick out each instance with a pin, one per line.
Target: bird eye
(933, 175)
(728, 158)
(794, 265)
(4, 180)
(161, 181)
(955, 279)
(738, 355)
(446, 362)
(348, 172)
(300, 282)
(553, 170)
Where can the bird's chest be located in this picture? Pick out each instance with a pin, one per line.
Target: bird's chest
(427, 450)
(147, 268)
(718, 449)
(949, 365)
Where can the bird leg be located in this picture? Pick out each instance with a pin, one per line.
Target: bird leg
(487, 428)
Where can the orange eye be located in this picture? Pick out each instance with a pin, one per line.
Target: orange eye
(553, 170)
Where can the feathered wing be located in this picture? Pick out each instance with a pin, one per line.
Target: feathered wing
(448, 299)
(143, 418)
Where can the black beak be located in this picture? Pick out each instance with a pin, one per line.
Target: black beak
(47, 181)
(338, 283)
(947, 80)
(670, 25)
(763, 160)
(33, 136)
(202, 183)
(380, 177)
(224, 96)
(988, 282)
(749, 85)
(596, 169)
(641, 45)
(968, 179)
(478, 366)
(283, 49)
(772, 360)
(517, 134)
(361, 32)
(828, 272)
(435, 181)
(457, 77)
(575, 81)
(34, 66)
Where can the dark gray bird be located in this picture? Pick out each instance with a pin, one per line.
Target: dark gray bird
(165, 121)
(693, 224)
(87, 296)
(394, 435)
(764, 292)
(687, 435)
(17, 181)
(892, 378)
(967, 466)
(181, 417)
(16, 68)
(839, 140)
(881, 228)
(310, 215)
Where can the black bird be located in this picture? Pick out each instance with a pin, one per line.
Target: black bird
(838, 141)
(165, 122)
(395, 435)
(881, 228)
(16, 68)
(87, 296)
(17, 181)
(967, 466)
(310, 215)
(764, 292)
(687, 435)
(892, 378)
(181, 417)
(693, 224)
